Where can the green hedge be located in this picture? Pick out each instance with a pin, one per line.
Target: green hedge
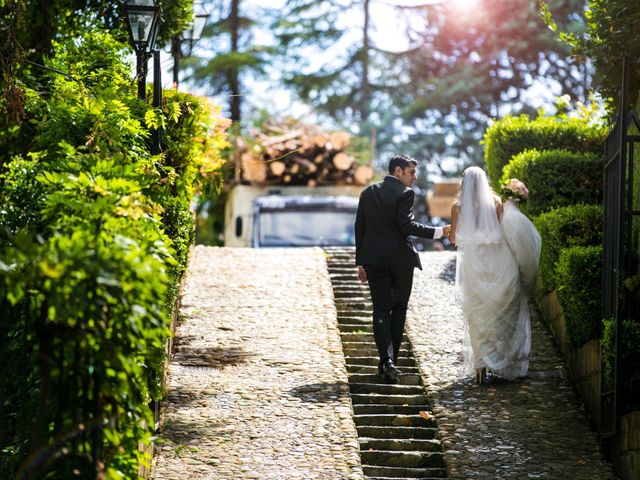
(565, 227)
(557, 178)
(579, 281)
(94, 237)
(630, 381)
(512, 135)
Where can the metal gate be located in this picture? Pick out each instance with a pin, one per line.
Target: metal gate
(618, 259)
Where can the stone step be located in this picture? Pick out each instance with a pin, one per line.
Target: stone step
(405, 378)
(367, 350)
(335, 282)
(382, 409)
(372, 471)
(393, 420)
(355, 343)
(351, 276)
(350, 307)
(355, 319)
(415, 444)
(373, 369)
(403, 478)
(350, 295)
(398, 458)
(374, 398)
(373, 360)
(355, 327)
(386, 389)
(386, 432)
(358, 337)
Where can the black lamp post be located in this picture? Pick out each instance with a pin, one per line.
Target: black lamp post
(143, 21)
(189, 37)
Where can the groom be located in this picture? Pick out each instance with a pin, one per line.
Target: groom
(386, 257)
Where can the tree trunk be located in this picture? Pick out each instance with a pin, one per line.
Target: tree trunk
(232, 75)
(364, 87)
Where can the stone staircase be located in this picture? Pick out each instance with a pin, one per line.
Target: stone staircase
(395, 442)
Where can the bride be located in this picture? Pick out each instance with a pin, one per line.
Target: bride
(493, 285)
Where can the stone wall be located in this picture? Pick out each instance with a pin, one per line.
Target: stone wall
(584, 365)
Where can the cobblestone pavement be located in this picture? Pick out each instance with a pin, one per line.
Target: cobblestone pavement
(257, 387)
(534, 428)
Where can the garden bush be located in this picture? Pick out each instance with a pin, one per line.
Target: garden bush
(511, 135)
(630, 344)
(557, 178)
(565, 227)
(95, 234)
(579, 287)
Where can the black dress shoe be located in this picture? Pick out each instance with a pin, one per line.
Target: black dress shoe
(390, 374)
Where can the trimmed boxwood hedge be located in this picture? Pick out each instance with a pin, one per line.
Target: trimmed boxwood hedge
(629, 362)
(565, 227)
(557, 178)
(511, 135)
(579, 280)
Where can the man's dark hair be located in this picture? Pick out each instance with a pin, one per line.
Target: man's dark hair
(401, 161)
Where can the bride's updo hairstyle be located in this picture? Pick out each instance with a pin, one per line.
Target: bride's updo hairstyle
(477, 220)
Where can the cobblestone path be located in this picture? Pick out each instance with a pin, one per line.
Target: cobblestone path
(257, 388)
(534, 428)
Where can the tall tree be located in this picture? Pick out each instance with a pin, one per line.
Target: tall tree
(466, 67)
(433, 99)
(609, 33)
(236, 59)
(332, 60)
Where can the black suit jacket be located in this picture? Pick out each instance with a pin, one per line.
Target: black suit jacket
(384, 222)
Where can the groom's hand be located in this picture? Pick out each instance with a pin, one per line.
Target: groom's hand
(446, 230)
(362, 275)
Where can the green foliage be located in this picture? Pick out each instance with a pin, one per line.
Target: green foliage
(609, 34)
(511, 135)
(628, 368)
(579, 286)
(557, 178)
(94, 238)
(565, 227)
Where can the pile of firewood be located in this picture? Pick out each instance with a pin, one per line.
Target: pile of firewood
(300, 155)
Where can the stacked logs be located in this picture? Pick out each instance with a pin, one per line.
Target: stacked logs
(301, 155)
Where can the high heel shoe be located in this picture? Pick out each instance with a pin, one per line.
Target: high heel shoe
(481, 375)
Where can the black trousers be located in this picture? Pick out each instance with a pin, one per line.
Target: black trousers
(390, 288)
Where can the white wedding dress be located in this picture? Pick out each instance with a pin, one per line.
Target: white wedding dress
(495, 272)
(525, 242)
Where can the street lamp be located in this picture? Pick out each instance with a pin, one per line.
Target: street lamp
(189, 36)
(143, 21)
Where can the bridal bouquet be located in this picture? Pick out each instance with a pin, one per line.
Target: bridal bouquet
(514, 190)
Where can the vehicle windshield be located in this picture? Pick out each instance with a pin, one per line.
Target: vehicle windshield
(306, 228)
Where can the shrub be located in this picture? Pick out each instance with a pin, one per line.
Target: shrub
(629, 373)
(579, 280)
(557, 178)
(511, 135)
(565, 227)
(87, 266)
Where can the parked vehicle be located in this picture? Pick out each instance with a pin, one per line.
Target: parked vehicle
(291, 216)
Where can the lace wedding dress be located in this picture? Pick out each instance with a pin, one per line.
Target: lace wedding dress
(497, 332)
